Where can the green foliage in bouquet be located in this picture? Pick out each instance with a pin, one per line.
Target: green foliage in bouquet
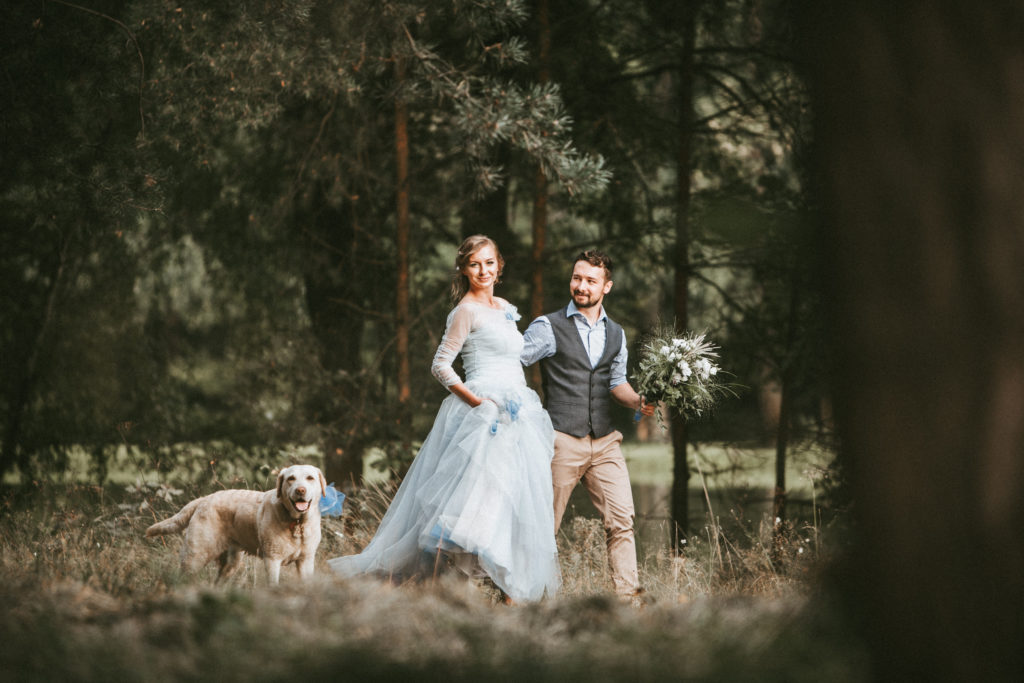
(682, 372)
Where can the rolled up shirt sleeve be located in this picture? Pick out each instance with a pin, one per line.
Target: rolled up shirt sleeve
(538, 341)
(618, 369)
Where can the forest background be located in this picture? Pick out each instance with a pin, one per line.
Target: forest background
(233, 226)
(238, 224)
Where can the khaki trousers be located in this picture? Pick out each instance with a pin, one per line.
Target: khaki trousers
(602, 467)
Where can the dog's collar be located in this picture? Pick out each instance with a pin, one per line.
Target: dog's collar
(298, 523)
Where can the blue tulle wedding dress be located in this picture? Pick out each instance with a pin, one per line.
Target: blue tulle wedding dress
(479, 490)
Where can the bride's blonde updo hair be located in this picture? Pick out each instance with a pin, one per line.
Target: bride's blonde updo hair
(469, 246)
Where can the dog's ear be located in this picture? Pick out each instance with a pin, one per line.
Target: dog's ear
(280, 483)
(323, 483)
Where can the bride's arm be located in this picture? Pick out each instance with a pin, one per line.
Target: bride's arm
(463, 392)
(460, 322)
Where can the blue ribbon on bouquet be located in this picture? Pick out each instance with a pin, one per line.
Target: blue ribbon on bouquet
(332, 502)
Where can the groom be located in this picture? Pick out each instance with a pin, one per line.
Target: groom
(582, 354)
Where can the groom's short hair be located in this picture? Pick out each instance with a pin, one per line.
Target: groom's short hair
(598, 258)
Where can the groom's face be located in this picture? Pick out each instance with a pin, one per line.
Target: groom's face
(589, 284)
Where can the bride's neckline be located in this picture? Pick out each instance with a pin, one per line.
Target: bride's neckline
(500, 304)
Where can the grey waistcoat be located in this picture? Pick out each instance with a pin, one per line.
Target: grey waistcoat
(576, 396)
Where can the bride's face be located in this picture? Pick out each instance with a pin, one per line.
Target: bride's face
(482, 268)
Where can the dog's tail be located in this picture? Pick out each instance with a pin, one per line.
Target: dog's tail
(178, 522)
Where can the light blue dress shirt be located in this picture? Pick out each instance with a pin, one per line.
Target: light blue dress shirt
(539, 342)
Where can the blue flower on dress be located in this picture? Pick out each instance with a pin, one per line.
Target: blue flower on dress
(512, 313)
(441, 535)
(512, 406)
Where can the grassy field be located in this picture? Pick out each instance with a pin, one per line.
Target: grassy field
(88, 598)
(649, 464)
(729, 466)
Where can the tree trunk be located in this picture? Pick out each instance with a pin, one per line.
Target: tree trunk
(333, 278)
(680, 467)
(781, 445)
(22, 393)
(402, 238)
(919, 108)
(540, 188)
(333, 249)
(786, 381)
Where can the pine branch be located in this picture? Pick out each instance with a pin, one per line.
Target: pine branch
(490, 112)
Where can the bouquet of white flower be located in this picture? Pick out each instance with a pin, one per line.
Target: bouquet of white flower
(681, 372)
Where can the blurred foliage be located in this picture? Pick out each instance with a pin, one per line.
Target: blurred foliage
(198, 204)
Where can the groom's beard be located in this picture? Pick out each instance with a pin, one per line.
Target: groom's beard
(586, 302)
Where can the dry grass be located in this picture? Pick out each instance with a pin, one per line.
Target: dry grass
(88, 598)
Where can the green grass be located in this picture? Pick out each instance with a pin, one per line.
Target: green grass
(728, 466)
(649, 464)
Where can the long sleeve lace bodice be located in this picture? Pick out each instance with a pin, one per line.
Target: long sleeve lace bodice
(489, 341)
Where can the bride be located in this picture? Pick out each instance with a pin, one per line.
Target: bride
(479, 490)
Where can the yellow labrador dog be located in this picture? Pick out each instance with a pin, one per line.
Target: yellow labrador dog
(281, 525)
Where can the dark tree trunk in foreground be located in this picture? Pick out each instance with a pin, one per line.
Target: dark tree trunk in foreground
(919, 111)
(680, 467)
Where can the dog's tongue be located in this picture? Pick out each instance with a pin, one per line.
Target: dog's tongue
(301, 505)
